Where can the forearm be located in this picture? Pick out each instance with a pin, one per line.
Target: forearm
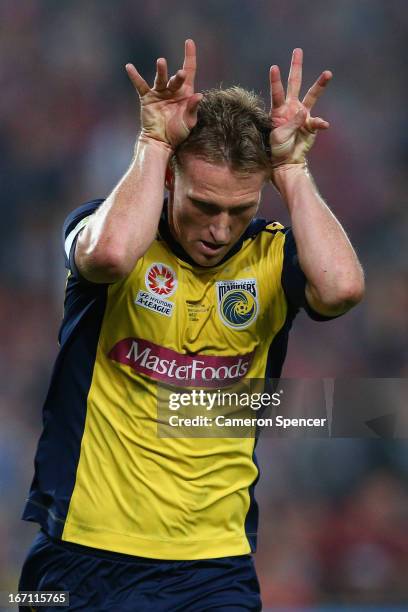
(122, 229)
(334, 275)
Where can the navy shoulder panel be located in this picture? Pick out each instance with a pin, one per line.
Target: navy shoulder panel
(79, 213)
(253, 229)
(258, 225)
(69, 225)
(80, 294)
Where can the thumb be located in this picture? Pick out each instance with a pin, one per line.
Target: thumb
(190, 115)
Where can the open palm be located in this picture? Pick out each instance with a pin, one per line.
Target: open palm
(293, 128)
(169, 108)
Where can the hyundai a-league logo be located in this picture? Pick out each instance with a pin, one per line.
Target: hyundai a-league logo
(161, 280)
(237, 302)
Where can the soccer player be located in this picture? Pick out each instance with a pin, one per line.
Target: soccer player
(196, 289)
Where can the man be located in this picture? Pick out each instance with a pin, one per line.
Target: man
(197, 290)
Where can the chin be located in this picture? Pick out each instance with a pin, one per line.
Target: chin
(207, 262)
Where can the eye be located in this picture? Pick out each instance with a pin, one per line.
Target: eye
(204, 207)
(241, 211)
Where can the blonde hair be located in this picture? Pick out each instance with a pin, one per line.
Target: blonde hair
(232, 127)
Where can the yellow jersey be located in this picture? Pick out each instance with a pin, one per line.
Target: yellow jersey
(103, 476)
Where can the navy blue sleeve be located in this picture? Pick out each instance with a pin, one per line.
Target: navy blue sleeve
(294, 280)
(70, 223)
(81, 296)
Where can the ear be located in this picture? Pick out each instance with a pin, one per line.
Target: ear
(169, 178)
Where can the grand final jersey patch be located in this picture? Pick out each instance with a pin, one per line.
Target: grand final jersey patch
(161, 283)
(237, 302)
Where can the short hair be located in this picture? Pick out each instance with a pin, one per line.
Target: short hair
(232, 127)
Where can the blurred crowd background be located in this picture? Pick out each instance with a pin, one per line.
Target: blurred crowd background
(333, 512)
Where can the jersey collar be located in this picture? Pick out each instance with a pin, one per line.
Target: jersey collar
(255, 226)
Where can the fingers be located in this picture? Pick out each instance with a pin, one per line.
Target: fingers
(277, 91)
(317, 89)
(295, 74)
(177, 81)
(137, 80)
(316, 123)
(190, 116)
(160, 81)
(190, 62)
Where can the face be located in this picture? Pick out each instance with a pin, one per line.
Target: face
(210, 206)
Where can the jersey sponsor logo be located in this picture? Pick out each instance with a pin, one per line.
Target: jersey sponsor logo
(168, 366)
(161, 280)
(161, 283)
(151, 302)
(237, 302)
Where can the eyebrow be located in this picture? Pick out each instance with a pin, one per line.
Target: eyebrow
(214, 205)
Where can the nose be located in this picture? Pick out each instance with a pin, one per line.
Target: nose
(220, 229)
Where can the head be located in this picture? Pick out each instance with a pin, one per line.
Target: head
(217, 174)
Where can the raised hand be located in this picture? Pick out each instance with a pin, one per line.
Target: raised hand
(293, 128)
(169, 108)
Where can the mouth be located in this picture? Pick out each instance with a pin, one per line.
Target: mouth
(210, 248)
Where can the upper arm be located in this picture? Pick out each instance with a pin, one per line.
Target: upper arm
(73, 225)
(83, 264)
(326, 310)
(295, 286)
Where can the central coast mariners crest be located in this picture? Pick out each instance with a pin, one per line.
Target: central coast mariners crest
(161, 283)
(237, 302)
